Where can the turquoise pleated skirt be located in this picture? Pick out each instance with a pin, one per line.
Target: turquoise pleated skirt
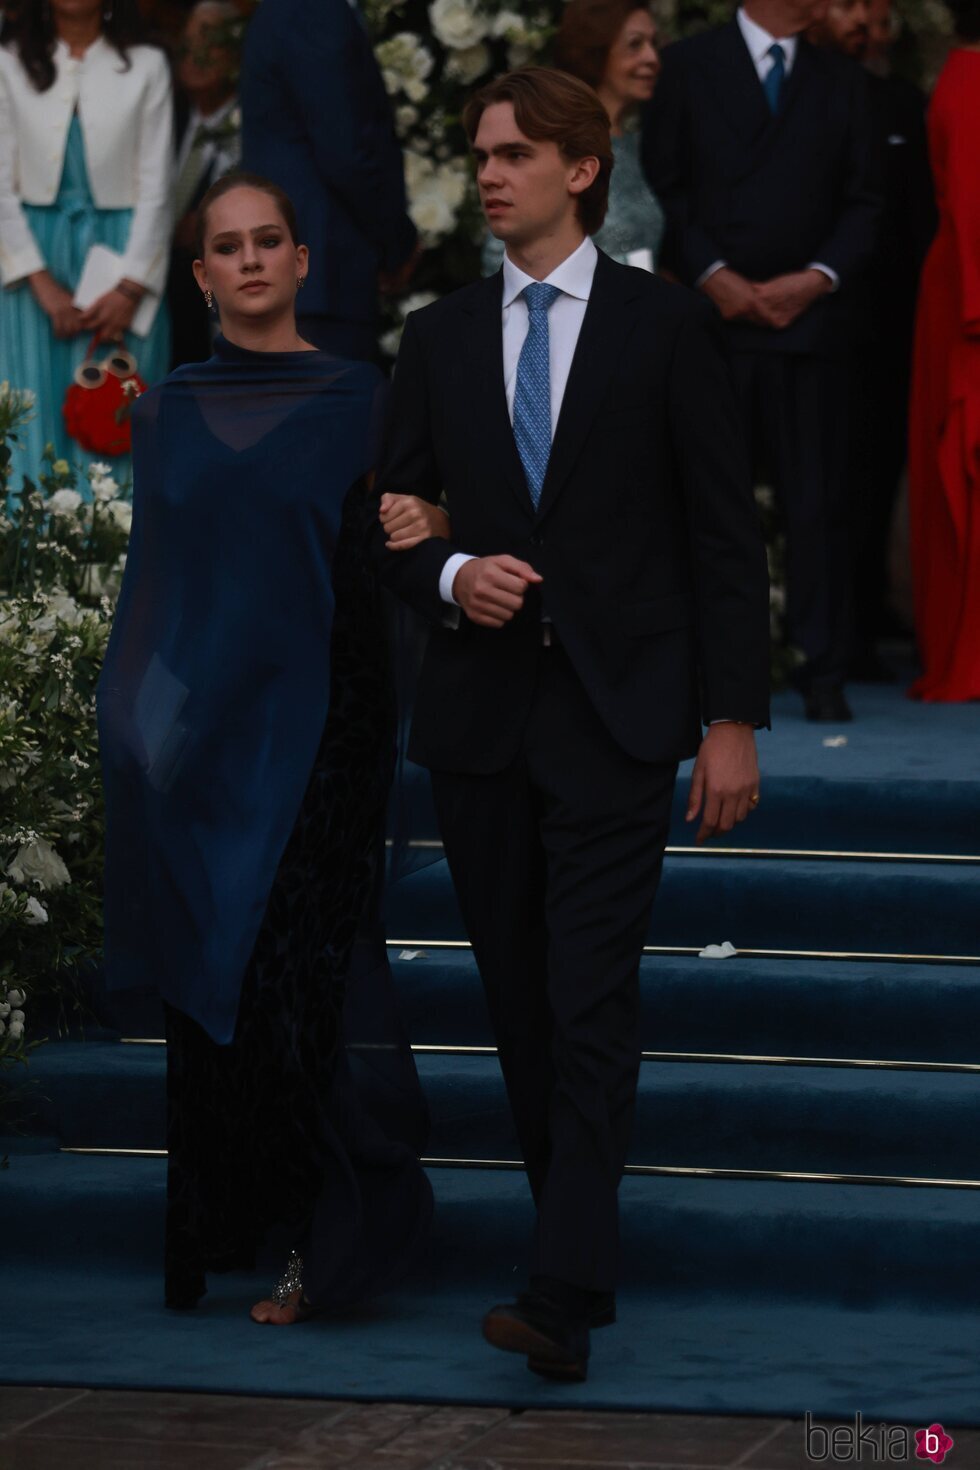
(30, 354)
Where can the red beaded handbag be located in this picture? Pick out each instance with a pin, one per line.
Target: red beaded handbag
(97, 404)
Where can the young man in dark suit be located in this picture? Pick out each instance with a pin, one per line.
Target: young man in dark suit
(317, 121)
(761, 149)
(603, 593)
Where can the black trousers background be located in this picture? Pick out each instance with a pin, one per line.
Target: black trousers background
(797, 414)
(556, 862)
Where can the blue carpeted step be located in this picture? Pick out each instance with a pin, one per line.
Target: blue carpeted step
(856, 1245)
(743, 1006)
(762, 904)
(704, 1115)
(905, 780)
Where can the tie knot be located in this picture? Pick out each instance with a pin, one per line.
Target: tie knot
(540, 297)
(778, 54)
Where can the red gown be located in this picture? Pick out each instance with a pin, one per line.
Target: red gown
(944, 433)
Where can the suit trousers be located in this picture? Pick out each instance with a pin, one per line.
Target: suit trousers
(556, 861)
(796, 411)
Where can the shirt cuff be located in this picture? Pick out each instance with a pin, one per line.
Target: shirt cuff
(825, 270)
(718, 265)
(448, 576)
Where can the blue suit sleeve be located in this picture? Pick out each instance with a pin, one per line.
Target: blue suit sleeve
(337, 85)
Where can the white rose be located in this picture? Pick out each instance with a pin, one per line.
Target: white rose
(38, 862)
(16, 1030)
(467, 65)
(432, 216)
(4, 1009)
(122, 513)
(64, 502)
(405, 63)
(104, 490)
(36, 914)
(458, 24)
(405, 118)
(16, 997)
(16, 1016)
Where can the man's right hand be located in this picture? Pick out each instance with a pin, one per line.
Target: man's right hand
(490, 589)
(735, 297)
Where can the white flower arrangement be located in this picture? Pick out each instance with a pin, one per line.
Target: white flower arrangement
(61, 556)
(459, 24)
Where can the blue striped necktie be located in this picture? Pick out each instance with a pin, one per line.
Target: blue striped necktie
(532, 395)
(773, 84)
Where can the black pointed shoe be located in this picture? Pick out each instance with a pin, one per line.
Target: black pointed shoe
(555, 1343)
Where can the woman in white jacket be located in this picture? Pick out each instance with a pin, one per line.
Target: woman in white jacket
(86, 158)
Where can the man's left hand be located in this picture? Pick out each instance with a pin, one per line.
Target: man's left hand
(725, 779)
(785, 298)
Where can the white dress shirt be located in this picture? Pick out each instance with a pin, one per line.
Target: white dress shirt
(574, 279)
(224, 155)
(758, 41)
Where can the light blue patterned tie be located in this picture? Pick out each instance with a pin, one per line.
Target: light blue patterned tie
(532, 396)
(773, 84)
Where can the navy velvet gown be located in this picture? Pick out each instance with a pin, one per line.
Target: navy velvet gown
(247, 728)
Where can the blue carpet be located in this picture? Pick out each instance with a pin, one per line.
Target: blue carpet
(754, 1296)
(96, 1318)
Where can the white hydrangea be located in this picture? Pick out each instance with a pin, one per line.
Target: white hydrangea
(436, 192)
(122, 513)
(458, 24)
(467, 65)
(406, 64)
(38, 863)
(64, 502)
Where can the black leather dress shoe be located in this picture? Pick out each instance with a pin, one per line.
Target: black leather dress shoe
(826, 704)
(555, 1344)
(603, 1310)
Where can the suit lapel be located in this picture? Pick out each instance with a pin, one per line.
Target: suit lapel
(604, 330)
(492, 426)
(738, 87)
(797, 79)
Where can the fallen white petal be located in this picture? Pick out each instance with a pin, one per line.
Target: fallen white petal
(834, 742)
(723, 951)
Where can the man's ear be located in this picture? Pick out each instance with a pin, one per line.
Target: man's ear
(584, 175)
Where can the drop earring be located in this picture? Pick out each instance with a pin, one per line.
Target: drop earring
(107, 14)
(300, 282)
(209, 298)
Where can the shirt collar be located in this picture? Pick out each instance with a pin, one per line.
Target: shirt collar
(62, 51)
(573, 277)
(759, 40)
(214, 119)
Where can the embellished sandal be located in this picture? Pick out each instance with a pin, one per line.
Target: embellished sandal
(287, 1295)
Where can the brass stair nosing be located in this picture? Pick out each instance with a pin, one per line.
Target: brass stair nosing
(639, 1170)
(849, 855)
(758, 954)
(426, 1049)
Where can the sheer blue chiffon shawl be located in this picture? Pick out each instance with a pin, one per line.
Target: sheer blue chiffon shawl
(216, 683)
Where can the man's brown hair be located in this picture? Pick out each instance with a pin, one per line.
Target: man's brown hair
(589, 29)
(553, 107)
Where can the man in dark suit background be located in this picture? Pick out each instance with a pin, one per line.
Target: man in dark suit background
(208, 146)
(316, 120)
(891, 285)
(761, 150)
(603, 594)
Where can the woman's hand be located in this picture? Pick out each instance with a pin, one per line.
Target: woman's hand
(109, 316)
(55, 301)
(408, 520)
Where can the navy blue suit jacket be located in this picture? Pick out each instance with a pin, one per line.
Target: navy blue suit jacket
(317, 121)
(767, 194)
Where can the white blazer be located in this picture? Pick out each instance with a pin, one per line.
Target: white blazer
(126, 118)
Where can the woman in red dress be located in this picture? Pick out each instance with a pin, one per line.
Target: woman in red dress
(944, 447)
